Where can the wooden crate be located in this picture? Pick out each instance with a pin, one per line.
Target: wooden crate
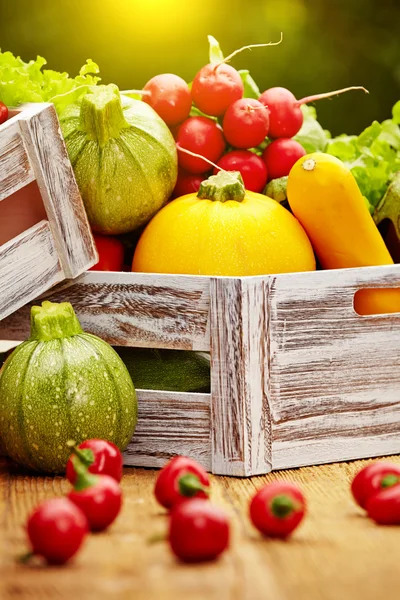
(297, 377)
(44, 233)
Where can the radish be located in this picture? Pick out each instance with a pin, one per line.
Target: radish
(203, 136)
(187, 183)
(285, 115)
(246, 123)
(217, 85)
(280, 156)
(170, 97)
(251, 167)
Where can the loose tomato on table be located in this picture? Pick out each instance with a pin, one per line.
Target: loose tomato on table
(384, 506)
(111, 253)
(198, 531)
(3, 113)
(101, 457)
(181, 478)
(277, 509)
(372, 479)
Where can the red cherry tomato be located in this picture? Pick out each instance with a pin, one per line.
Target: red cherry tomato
(198, 531)
(111, 253)
(215, 87)
(280, 156)
(203, 136)
(246, 123)
(277, 509)
(56, 530)
(372, 479)
(251, 167)
(169, 96)
(181, 478)
(187, 183)
(99, 497)
(101, 458)
(384, 506)
(3, 113)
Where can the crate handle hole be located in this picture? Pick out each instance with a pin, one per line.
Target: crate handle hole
(377, 301)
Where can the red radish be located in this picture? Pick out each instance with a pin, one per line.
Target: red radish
(111, 253)
(187, 183)
(170, 97)
(98, 496)
(277, 509)
(372, 479)
(198, 531)
(251, 167)
(215, 87)
(246, 123)
(3, 113)
(56, 530)
(285, 115)
(181, 478)
(99, 456)
(202, 136)
(384, 506)
(280, 156)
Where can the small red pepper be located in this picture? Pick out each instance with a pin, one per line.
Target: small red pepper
(99, 456)
(98, 496)
(3, 113)
(198, 531)
(373, 478)
(277, 509)
(384, 506)
(181, 478)
(56, 530)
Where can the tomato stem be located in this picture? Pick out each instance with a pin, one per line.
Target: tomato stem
(250, 47)
(282, 506)
(189, 485)
(329, 94)
(389, 480)
(26, 557)
(85, 455)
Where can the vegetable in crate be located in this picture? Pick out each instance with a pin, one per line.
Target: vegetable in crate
(124, 158)
(324, 196)
(62, 384)
(223, 230)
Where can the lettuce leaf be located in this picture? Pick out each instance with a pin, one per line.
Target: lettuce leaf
(311, 135)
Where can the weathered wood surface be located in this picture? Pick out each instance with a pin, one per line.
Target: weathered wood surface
(15, 168)
(336, 554)
(132, 309)
(28, 265)
(170, 423)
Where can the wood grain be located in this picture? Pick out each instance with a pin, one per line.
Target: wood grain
(336, 554)
(28, 266)
(15, 168)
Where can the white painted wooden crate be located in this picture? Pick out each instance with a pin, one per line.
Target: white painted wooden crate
(44, 233)
(297, 377)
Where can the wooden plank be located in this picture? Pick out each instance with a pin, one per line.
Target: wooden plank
(53, 171)
(132, 309)
(334, 375)
(241, 435)
(28, 266)
(169, 424)
(15, 168)
(336, 554)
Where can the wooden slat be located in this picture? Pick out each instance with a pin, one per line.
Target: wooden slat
(241, 436)
(132, 309)
(170, 424)
(28, 266)
(53, 171)
(15, 168)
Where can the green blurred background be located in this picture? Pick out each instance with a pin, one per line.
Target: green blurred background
(328, 44)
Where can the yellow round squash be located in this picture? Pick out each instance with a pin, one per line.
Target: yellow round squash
(223, 230)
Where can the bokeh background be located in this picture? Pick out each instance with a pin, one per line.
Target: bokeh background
(328, 44)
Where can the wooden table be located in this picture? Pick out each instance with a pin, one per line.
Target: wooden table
(336, 554)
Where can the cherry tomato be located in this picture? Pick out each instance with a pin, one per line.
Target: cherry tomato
(203, 136)
(111, 253)
(246, 123)
(372, 479)
(100, 457)
(181, 478)
(56, 530)
(251, 167)
(277, 509)
(187, 183)
(384, 506)
(215, 87)
(169, 96)
(198, 531)
(3, 113)
(100, 501)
